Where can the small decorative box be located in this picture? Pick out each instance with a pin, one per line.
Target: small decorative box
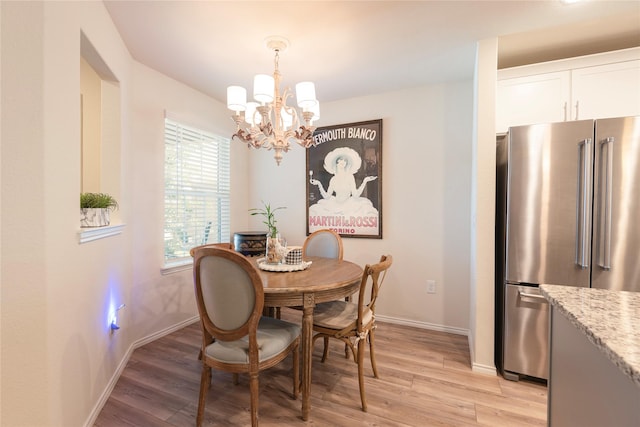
(294, 255)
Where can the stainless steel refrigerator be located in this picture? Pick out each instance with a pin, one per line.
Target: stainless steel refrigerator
(567, 213)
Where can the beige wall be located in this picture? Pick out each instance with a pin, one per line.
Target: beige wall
(427, 137)
(56, 294)
(483, 178)
(58, 354)
(23, 296)
(56, 346)
(91, 101)
(162, 301)
(1, 228)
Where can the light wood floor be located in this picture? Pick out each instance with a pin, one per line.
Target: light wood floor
(425, 380)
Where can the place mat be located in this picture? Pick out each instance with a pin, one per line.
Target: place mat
(285, 268)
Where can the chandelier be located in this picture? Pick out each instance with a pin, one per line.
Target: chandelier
(269, 122)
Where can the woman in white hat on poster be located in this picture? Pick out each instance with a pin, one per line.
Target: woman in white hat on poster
(342, 163)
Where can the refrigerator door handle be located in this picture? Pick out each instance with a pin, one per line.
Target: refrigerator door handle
(582, 208)
(606, 200)
(541, 298)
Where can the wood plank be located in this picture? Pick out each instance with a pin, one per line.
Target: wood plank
(151, 400)
(425, 380)
(117, 413)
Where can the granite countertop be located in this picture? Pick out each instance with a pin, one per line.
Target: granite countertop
(609, 319)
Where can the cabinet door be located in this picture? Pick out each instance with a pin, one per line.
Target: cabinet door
(611, 90)
(540, 98)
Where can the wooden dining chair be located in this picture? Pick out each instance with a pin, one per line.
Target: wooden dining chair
(236, 337)
(193, 250)
(325, 243)
(353, 323)
(328, 244)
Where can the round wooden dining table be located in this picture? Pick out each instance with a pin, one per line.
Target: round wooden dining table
(326, 279)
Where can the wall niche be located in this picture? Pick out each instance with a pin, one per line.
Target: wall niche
(100, 126)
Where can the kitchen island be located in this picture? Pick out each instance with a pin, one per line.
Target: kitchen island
(594, 368)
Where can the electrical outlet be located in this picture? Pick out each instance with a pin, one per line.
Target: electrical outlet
(431, 286)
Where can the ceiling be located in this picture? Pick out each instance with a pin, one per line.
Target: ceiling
(356, 48)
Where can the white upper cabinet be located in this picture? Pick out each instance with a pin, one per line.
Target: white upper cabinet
(591, 87)
(541, 98)
(611, 90)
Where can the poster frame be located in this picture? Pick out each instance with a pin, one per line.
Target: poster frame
(365, 138)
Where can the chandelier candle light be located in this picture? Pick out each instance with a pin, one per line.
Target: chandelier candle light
(270, 123)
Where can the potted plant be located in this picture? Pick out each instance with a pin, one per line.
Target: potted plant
(95, 209)
(276, 247)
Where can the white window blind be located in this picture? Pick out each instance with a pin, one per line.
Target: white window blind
(197, 190)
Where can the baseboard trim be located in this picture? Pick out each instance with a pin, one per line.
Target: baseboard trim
(479, 367)
(484, 369)
(123, 363)
(422, 325)
(166, 331)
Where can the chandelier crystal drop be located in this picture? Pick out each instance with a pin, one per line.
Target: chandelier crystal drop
(268, 122)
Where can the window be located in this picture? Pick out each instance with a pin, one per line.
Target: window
(197, 190)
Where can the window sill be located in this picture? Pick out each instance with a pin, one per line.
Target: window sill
(86, 235)
(177, 267)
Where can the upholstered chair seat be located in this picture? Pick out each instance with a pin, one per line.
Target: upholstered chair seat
(273, 336)
(354, 324)
(236, 337)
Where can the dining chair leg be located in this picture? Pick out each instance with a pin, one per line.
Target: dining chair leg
(346, 347)
(296, 371)
(205, 382)
(372, 354)
(361, 347)
(253, 386)
(325, 352)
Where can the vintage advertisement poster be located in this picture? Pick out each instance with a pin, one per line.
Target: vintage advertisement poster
(344, 180)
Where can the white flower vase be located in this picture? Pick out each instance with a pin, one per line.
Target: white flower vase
(94, 217)
(276, 249)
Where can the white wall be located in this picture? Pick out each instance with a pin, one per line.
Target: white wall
(163, 301)
(23, 296)
(1, 228)
(56, 346)
(58, 354)
(427, 137)
(483, 179)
